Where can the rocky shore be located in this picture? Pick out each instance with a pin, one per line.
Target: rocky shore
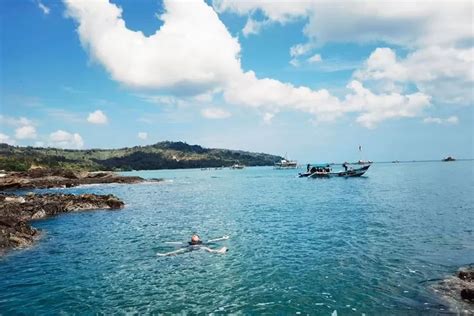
(16, 212)
(48, 178)
(458, 290)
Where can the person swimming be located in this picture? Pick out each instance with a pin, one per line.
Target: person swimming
(196, 243)
(195, 240)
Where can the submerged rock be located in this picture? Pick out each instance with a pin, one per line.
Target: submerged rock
(49, 178)
(16, 211)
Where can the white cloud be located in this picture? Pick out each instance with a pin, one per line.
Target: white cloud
(253, 27)
(193, 54)
(445, 73)
(215, 113)
(407, 23)
(300, 49)
(204, 97)
(15, 122)
(314, 59)
(273, 95)
(24, 128)
(5, 139)
(43, 8)
(63, 139)
(39, 144)
(294, 62)
(97, 117)
(378, 107)
(437, 35)
(192, 51)
(166, 100)
(143, 135)
(452, 120)
(279, 11)
(25, 132)
(268, 117)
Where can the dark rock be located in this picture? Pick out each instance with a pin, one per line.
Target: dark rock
(467, 294)
(466, 274)
(46, 178)
(16, 211)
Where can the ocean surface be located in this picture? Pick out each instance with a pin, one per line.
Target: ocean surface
(370, 245)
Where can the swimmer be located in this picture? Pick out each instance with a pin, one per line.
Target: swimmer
(196, 243)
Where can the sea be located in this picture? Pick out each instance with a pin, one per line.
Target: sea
(373, 245)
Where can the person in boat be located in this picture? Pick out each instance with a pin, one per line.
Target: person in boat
(196, 243)
(345, 165)
(313, 169)
(308, 166)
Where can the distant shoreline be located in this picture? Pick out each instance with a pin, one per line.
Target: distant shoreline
(164, 155)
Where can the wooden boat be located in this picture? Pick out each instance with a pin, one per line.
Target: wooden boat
(321, 168)
(346, 174)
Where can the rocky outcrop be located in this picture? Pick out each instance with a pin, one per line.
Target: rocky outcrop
(48, 178)
(17, 211)
(458, 290)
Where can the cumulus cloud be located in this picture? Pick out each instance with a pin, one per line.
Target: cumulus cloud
(5, 139)
(63, 139)
(379, 107)
(405, 23)
(438, 36)
(215, 113)
(25, 132)
(24, 128)
(193, 54)
(143, 135)
(452, 120)
(445, 73)
(97, 117)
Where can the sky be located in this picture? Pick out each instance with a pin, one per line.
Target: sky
(313, 79)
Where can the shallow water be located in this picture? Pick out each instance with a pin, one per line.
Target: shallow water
(365, 245)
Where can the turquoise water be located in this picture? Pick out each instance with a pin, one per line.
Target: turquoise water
(370, 245)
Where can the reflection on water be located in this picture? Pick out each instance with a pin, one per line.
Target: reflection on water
(365, 245)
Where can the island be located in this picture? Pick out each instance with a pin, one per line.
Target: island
(163, 155)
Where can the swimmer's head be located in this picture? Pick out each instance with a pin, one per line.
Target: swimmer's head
(195, 239)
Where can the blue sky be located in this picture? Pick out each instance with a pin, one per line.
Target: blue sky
(293, 78)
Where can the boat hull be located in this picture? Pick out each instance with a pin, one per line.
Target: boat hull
(345, 174)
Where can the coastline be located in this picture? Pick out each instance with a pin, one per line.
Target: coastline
(17, 210)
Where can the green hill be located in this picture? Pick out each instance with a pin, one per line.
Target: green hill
(163, 155)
